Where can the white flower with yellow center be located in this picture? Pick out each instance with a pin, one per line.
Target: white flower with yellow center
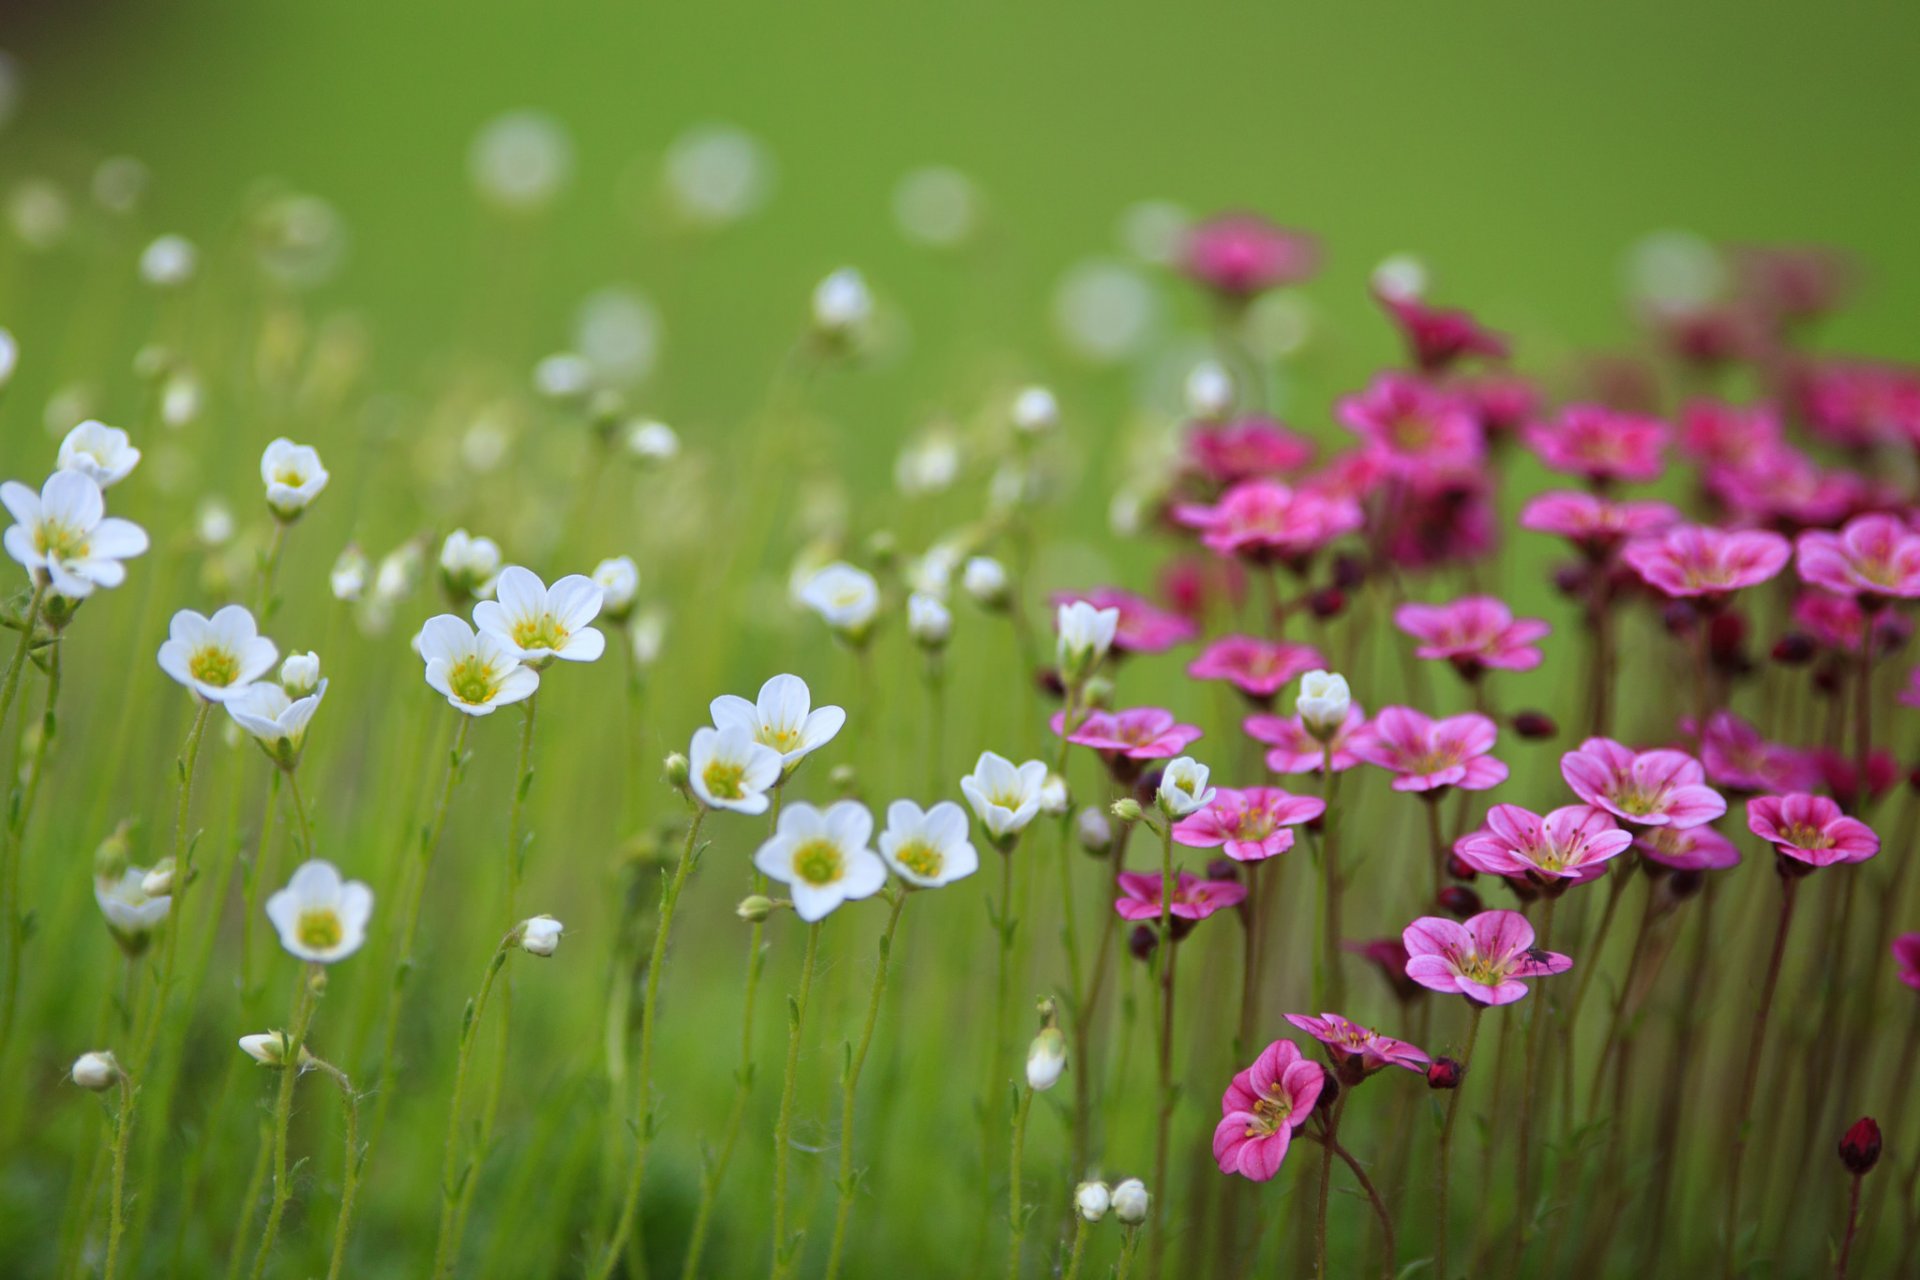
(1183, 788)
(1005, 796)
(319, 916)
(65, 539)
(469, 565)
(133, 915)
(783, 718)
(216, 657)
(475, 671)
(277, 721)
(619, 581)
(293, 476)
(822, 857)
(728, 769)
(845, 597)
(928, 847)
(100, 452)
(542, 623)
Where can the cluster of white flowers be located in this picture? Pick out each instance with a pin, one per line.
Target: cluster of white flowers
(526, 627)
(62, 535)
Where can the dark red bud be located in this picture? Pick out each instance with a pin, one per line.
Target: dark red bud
(1460, 869)
(1223, 869)
(1445, 1073)
(1534, 725)
(1571, 579)
(1349, 571)
(1678, 617)
(1327, 602)
(1684, 884)
(1860, 1146)
(1460, 901)
(1330, 1093)
(1142, 941)
(1182, 926)
(1794, 649)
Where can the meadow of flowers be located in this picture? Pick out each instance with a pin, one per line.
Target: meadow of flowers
(459, 824)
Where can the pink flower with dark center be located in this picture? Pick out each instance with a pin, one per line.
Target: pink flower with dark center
(1483, 958)
(1256, 667)
(1144, 626)
(1472, 633)
(1143, 733)
(1248, 449)
(1193, 898)
(1687, 849)
(1698, 560)
(1438, 337)
(1594, 524)
(1600, 444)
(1439, 519)
(1838, 622)
(1505, 403)
(1906, 955)
(1359, 1051)
(1425, 754)
(1412, 427)
(1573, 842)
(1389, 956)
(1251, 823)
(1713, 432)
(1241, 254)
(1647, 788)
(1297, 751)
(1738, 758)
(1265, 520)
(1261, 1109)
(1778, 485)
(1810, 829)
(1874, 558)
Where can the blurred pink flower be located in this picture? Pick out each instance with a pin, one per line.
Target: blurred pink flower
(1193, 898)
(1504, 402)
(1144, 626)
(1594, 524)
(1359, 1051)
(1410, 426)
(1257, 667)
(1438, 337)
(1261, 1109)
(1647, 788)
(1251, 823)
(1874, 558)
(1573, 842)
(1810, 829)
(1297, 751)
(1143, 733)
(1389, 955)
(1483, 958)
(1777, 484)
(1687, 848)
(1840, 771)
(1472, 633)
(1699, 560)
(1715, 432)
(1736, 757)
(1246, 449)
(1269, 521)
(1858, 403)
(1241, 254)
(1600, 444)
(1839, 623)
(1906, 955)
(1425, 754)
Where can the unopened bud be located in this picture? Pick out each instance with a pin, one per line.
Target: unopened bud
(540, 936)
(1127, 809)
(1142, 941)
(1445, 1073)
(1095, 830)
(1131, 1202)
(1534, 725)
(1459, 901)
(1794, 649)
(1046, 1059)
(99, 1071)
(1860, 1146)
(677, 770)
(754, 908)
(1091, 1200)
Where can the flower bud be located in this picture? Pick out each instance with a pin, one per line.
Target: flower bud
(540, 936)
(677, 770)
(1127, 809)
(158, 883)
(1086, 633)
(269, 1049)
(1860, 1146)
(1094, 830)
(1459, 901)
(754, 908)
(110, 858)
(1046, 1059)
(1327, 603)
(1794, 649)
(1142, 941)
(929, 622)
(845, 779)
(1534, 725)
(619, 581)
(348, 578)
(652, 443)
(1055, 799)
(1445, 1073)
(842, 304)
(1091, 1200)
(300, 674)
(97, 1071)
(1035, 411)
(985, 580)
(1323, 703)
(1209, 391)
(1131, 1202)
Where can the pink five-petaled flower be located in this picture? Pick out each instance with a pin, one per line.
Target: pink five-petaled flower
(1875, 558)
(1810, 829)
(1241, 254)
(1572, 843)
(1144, 733)
(1425, 754)
(1483, 958)
(1437, 337)
(1267, 521)
(1412, 428)
(1256, 667)
(1737, 757)
(1246, 449)
(1261, 1109)
(1647, 788)
(1297, 751)
(1688, 849)
(1698, 560)
(1359, 1051)
(1193, 898)
(1252, 823)
(1600, 444)
(1594, 524)
(1473, 633)
(1144, 627)
(1906, 954)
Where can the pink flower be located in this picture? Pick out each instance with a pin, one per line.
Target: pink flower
(1908, 697)
(1472, 633)
(1906, 954)
(1738, 758)
(1647, 788)
(1256, 667)
(1853, 403)
(1248, 449)
(1777, 484)
(1144, 626)
(1359, 1051)
(1241, 254)
(1698, 560)
(1688, 849)
(1504, 402)
(1810, 829)
(1600, 444)
(1252, 823)
(1840, 771)
(1875, 557)
(1267, 521)
(1193, 898)
(1389, 955)
(1438, 337)
(1573, 843)
(1412, 427)
(1261, 1109)
(1838, 622)
(1712, 432)
(1483, 958)
(1595, 524)
(1297, 751)
(1438, 519)
(1426, 754)
(1144, 733)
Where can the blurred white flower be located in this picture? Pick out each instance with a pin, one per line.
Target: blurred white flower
(1005, 796)
(119, 183)
(1209, 391)
(521, 160)
(1086, 633)
(619, 581)
(169, 262)
(1673, 271)
(477, 672)
(929, 464)
(102, 453)
(985, 579)
(348, 577)
(1401, 276)
(842, 305)
(1155, 231)
(728, 769)
(64, 538)
(618, 332)
(822, 857)
(217, 657)
(1054, 795)
(542, 622)
(931, 573)
(97, 1070)
(564, 376)
(293, 476)
(1104, 311)
(40, 214)
(783, 718)
(181, 397)
(132, 914)
(716, 174)
(320, 917)
(278, 723)
(9, 356)
(469, 565)
(1035, 411)
(299, 240)
(845, 597)
(937, 206)
(648, 441)
(540, 936)
(928, 847)
(929, 621)
(213, 523)
(648, 635)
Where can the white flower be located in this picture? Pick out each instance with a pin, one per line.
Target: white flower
(1054, 796)
(9, 356)
(845, 597)
(100, 452)
(169, 262)
(1035, 411)
(269, 1049)
(1086, 633)
(216, 657)
(158, 882)
(928, 621)
(1046, 1059)
(928, 848)
(300, 674)
(64, 536)
(716, 174)
(181, 398)
(842, 303)
(985, 579)
(648, 635)
(1183, 788)
(521, 160)
(782, 718)
(541, 622)
(348, 577)
(1131, 1202)
(321, 917)
(1005, 797)
(931, 574)
(133, 915)
(928, 465)
(1401, 276)
(475, 671)
(729, 770)
(469, 564)
(98, 1071)
(398, 571)
(1209, 391)
(619, 581)
(540, 936)
(563, 376)
(1091, 1200)
(652, 442)
(1323, 703)
(277, 722)
(822, 857)
(293, 476)
(214, 523)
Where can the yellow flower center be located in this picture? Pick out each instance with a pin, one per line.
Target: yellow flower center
(318, 929)
(290, 477)
(214, 666)
(781, 740)
(57, 541)
(818, 862)
(472, 681)
(724, 779)
(920, 858)
(541, 632)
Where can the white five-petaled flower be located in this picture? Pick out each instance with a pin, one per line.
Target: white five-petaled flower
(542, 623)
(100, 452)
(64, 538)
(277, 721)
(1183, 788)
(1086, 633)
(475, 671)
(928, 847)
(618, 578)
(469, 564)
(293, 476)
(928, 621)
(845, 597)
(822, 857)
(540, 936)
(1005, 796)
(783, 718)
(1323, 703)
(132, 914)
(216, 657)
(319, 916)
(728, 769)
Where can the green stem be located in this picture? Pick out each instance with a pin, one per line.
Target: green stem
(1016, 1210)
(1446, 1151)
(1326, 1188)
(283, 1117)
(270, 568)
(452, 1186)
(350, 1170)
(182, 877)
(1756, 1044)
(1079, 1247)
(116, 1211)
(19, 662)
(1165, 954)
(1530, 1083)
(14, 848)
(783, 1248)
(1333, 990)
(303, 818)
(843, 1208)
